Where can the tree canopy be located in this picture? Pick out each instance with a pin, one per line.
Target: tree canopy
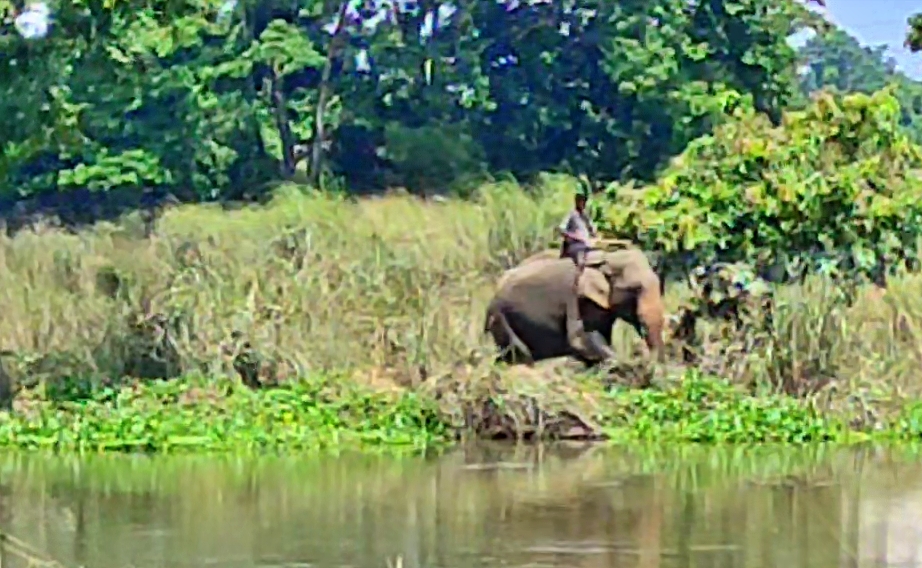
(105, 104)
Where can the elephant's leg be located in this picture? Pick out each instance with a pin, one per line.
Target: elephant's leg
(599, 347)
(575, 330)
(577, 337)
(513, 349)
(596, 354)
(589, 346)
(606, 332)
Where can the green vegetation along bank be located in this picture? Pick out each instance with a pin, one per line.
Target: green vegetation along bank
(208, 416)
(319, 321)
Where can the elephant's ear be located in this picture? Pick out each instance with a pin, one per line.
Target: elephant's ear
(595, 287)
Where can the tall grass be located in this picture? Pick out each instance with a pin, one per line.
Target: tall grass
(390, 289)
(315, 281)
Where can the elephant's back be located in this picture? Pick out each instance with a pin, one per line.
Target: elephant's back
(544, 275)
(547, 254)
(539, 288)
(532, 298)
(533, 271)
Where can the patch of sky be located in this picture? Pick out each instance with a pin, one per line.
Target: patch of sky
(34, 21)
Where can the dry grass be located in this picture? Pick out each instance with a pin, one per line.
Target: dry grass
(391, 289)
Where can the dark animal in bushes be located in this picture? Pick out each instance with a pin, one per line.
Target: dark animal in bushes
(723, 292)
(731, 292)
(7, 389)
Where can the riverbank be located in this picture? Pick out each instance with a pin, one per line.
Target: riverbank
(335, 413)
(351, 329)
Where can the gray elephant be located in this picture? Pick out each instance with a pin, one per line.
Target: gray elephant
(537, 314)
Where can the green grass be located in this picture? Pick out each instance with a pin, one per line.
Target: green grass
(361, 321)
(201, 415)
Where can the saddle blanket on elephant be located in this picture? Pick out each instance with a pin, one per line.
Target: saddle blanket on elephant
(595, 258)
(617, 260)
(624, 269)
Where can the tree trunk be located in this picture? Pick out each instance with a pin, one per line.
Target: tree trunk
(324, 95)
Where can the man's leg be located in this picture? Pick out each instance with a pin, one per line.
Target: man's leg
(579, 257)
(575, 329)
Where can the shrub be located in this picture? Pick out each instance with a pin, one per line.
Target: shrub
(833, 187)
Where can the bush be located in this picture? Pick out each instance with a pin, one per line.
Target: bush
(835, 186)
(215, 415)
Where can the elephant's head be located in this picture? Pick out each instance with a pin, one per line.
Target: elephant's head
(624, 283)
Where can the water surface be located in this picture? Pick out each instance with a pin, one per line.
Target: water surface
(579, 506)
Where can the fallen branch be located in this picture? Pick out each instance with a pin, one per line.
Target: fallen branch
(33, 557)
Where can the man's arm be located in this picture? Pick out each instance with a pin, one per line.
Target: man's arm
(566, 231)
(564, 227)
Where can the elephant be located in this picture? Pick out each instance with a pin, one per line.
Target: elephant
(537, 314)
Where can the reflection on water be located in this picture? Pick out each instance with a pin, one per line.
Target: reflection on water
(585, 506)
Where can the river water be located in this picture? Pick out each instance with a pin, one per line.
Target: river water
(552, 506)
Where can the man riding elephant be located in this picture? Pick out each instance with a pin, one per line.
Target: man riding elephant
(578, 237)
(537, 313)
(578, 233)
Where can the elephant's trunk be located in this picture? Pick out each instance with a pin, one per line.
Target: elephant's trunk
(656, 345)
(651, 313)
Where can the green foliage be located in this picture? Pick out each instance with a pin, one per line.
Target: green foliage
(119, 97)
(914, 36)
(836, 61)
(183, 97)
(196, 415)
(706, 410)
(189, 98)
(428, 156)
(835, 185)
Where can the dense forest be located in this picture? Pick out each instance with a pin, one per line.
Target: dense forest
(120, 103)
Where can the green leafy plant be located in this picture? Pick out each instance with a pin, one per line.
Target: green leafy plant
(834, 185)
(210, 415)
